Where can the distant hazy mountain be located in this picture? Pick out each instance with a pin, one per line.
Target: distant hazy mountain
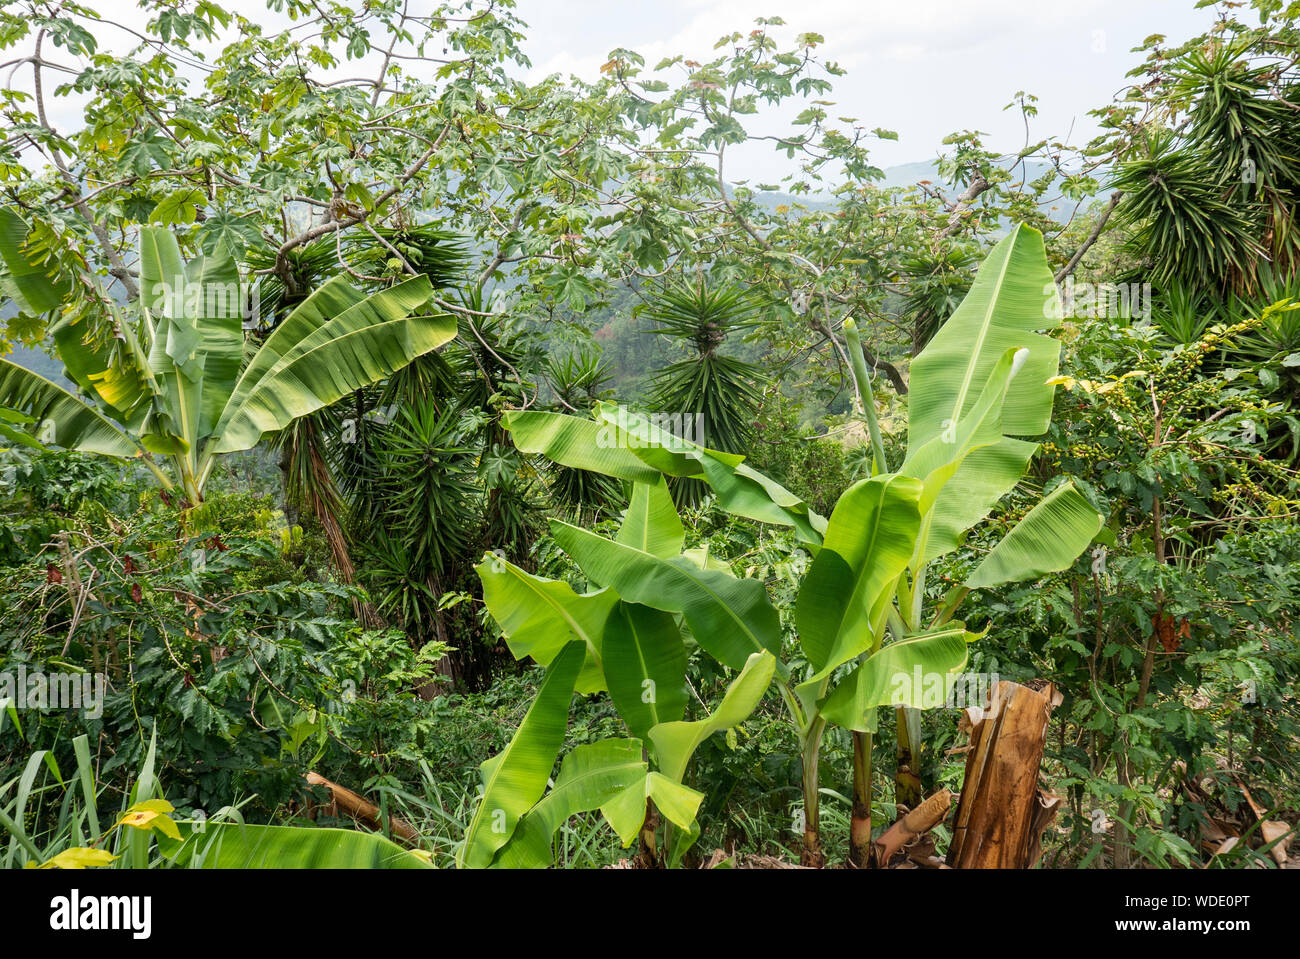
(909, 174)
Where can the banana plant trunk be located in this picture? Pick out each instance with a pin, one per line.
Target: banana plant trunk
(860, 825)
(908, 788)
(812, 855)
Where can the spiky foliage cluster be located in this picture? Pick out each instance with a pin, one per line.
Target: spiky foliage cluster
(412, 480)
(578, 380)
(431, 482)
(1214, 199)
(716, 391)
(936, 284)
(720, 388)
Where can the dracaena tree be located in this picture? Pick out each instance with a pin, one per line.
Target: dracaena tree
(170, 378)
(983, 385)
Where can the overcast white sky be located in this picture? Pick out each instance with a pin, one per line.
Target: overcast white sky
(922, 68)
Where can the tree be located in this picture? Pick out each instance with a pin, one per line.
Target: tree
(173, 381)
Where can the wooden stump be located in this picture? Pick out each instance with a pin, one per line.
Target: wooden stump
(1002, 811)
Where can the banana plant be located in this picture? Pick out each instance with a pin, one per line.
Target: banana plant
(978, 390)
(622, 639)
(169, 379)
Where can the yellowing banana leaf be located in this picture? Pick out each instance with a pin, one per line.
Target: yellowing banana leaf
(122, 382)
(75, 424)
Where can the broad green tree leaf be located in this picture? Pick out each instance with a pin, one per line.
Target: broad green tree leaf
(644, 661)
(675, 742)
(1047, 539)
(897, 674)
(731, 618)
(515, 779)
(539, 617)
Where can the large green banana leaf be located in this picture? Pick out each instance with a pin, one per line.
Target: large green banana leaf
(622, 444)
(869, 540)
(675, 742)
(1012, 298)
(644, 661)
(239, 846)
(651, 523)
(731, 618)
(591, 776)
(332, 298)
(888, 677)
(575, 442)
(747, 492)
(76, 425)
(196, 309)
(122, 382)
(539, 617)
(935, 462)
(984, 477)
(1046, 540)
(362, 345)
(177, 310)
(515, 778)
(740, 489)
(648, 440)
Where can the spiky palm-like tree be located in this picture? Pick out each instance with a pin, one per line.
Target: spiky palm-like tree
(578, 381)
(712, 389)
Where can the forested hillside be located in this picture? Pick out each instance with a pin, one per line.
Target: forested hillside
(410, 460)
